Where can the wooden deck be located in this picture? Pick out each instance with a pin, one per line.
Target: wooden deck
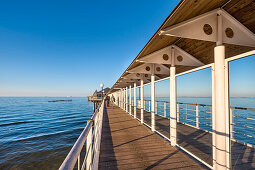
(199, 142)
(127, 144)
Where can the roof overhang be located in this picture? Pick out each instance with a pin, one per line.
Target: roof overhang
(193, 16)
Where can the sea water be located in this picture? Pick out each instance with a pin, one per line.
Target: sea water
(37, 134)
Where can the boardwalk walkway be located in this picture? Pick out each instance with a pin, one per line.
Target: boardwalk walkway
(199, 142)
(126, 144)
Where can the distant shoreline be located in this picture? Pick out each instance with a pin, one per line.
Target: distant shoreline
(86, 96)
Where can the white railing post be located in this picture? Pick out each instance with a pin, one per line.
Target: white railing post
(142, 101)
(92, 149)
(156, 107)
(164, 109)
(149, 105)
(89, 149)
(197, 116)
(213, 117)
(186, 111)
(119, 99)
(173, 101)
(135, 100)
(130, 100)
(178, 112)
(231, 123)
(153, 102)
(122, 99)
(79, 162)
(127, 99)
(98, 123)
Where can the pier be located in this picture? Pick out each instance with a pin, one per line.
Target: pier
(127, 144)
(134, 133)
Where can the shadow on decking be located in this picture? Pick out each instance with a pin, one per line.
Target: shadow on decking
(132, 140)
(109, 159)
(242, 156)
(160, 161)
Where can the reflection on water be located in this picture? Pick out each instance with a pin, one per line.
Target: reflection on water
(37, 134)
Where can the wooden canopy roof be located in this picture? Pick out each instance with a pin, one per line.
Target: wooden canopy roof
(241, 10)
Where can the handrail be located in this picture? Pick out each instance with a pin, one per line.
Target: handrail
(72, 156)
(241, 108)
(74, 153)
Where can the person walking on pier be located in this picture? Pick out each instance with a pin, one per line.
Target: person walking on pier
(107, 100)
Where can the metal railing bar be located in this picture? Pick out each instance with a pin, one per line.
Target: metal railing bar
(244, 117)
(204, 111)
(242, 125)
(205, 117)
(240, 108)
(194, 70)
(74, 153)
(241, 55)
(85, 159)
(72, 156)
(244, 134)
(191, 115)
(205, 124)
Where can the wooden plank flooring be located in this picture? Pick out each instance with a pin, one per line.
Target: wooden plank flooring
(199, 142)
(126, 144)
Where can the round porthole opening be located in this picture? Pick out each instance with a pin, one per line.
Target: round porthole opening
(180, 58)
(229, 32)
(207, 29)
(147, 68)
(165, 57)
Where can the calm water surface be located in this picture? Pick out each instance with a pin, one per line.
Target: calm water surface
(37, 134)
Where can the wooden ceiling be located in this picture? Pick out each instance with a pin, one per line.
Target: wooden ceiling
(242, 10)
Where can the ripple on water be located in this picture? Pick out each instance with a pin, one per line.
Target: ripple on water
(37, 134)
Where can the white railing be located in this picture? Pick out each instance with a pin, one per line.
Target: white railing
(92, 136)
(200, 116)
(242, 124)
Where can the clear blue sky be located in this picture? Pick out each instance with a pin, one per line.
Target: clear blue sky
(67, 48)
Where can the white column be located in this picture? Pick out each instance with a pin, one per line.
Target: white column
(197, 116)
(213, 118)
(142, 101)
(130, 100)
(164, 109)
(178, 112)
(156, 107)
(221, 112)
(172, 106)
(121, 98)
(135, 100)
(126, 99)
(153, 102)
